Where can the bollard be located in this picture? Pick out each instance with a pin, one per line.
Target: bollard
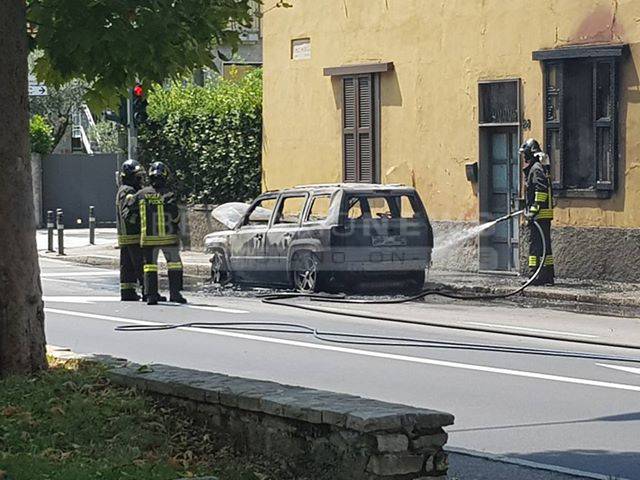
(92, 226)
(60, 226)
(50, 226)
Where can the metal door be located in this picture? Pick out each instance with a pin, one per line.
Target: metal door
(499, 244)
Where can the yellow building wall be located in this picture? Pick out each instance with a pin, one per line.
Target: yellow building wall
(429, 114)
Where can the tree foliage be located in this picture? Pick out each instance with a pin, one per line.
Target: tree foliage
(111, 44)
(58, 106)
(41, 135)
(210, 138)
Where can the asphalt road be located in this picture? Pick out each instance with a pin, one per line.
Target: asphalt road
(549, 402)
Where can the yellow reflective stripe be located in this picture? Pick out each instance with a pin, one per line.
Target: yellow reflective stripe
(154, 240)
(545, 214)
(541, 196)
(533, 261)
(143, 220)
(128, 239)
(128, 286)
(162, 228)
(174, 266)
(548, 261)
(150, 267)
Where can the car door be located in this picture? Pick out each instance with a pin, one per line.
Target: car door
(247, 244)
(282, 231)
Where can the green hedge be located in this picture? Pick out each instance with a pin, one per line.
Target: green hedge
(41, 135)
(210, 137)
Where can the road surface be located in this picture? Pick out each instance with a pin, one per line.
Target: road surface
(555, 403)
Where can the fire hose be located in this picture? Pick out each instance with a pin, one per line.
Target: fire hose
(392, 341)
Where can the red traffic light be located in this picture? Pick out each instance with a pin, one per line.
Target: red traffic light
(138, 91)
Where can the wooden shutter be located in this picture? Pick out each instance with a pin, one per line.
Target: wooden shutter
(350, 147)
(604, 122)
(554, 117)
(359, 154)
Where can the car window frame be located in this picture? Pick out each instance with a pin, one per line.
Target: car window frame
(276, 211)
(306, 221)
(242, 224)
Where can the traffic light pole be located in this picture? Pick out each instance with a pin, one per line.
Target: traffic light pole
(132, 131)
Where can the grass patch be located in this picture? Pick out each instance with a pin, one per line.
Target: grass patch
(70, 423)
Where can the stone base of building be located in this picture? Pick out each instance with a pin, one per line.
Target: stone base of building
(591, 253)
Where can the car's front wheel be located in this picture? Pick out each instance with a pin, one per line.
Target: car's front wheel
(306, 272)
(220, 274)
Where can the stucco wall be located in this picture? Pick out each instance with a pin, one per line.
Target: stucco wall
(429, 115)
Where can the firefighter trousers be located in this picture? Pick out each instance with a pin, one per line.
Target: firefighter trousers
(547, 274)
(174, 267)
(130, 271)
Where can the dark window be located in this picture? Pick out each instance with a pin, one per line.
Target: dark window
(359, 120)
(499, 102)
(580, 122)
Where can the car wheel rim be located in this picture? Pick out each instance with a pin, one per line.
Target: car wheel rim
(307, 275)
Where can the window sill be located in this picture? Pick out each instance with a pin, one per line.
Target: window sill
(586, 193)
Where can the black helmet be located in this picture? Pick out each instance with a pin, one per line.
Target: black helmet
(158, 170)
(131, 171)
(529, 148)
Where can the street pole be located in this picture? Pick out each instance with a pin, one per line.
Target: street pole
(92, 226)
(132, 131)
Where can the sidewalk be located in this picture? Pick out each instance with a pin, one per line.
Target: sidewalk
(583, 296)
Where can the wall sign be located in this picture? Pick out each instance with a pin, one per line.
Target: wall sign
(301, 49)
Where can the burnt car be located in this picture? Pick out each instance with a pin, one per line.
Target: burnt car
(326, 237)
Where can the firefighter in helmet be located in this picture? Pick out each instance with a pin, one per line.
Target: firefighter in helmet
(131, 176)
(159, 230)
(539, 206)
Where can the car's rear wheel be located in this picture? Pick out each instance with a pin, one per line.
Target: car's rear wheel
(220, 274)
(306, 272)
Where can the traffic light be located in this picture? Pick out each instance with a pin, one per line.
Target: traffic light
(139, 106)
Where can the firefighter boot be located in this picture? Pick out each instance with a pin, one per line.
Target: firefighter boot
(151, 283)
(129, 295)
(175, 285)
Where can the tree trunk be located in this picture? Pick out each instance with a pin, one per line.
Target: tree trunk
(22, 341)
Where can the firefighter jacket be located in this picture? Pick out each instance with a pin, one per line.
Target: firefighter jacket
(128, 221)
(159, 217)
(539, 194)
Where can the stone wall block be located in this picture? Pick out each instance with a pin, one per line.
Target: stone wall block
(396, 442)
(395, 464)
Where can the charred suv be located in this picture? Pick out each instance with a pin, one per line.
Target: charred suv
(326, 237)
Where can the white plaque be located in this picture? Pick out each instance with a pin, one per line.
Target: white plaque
(301, 49)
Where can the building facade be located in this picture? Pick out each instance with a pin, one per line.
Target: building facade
(440, 95)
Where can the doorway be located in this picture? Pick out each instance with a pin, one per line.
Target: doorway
(499, 174)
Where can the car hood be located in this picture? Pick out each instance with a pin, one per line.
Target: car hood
(216, 238)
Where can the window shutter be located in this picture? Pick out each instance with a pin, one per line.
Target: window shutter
(349, 129)
(604, 122)
(554, 114)
(358, 128)
(365, 128)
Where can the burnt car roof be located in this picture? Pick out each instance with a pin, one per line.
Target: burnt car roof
(349, 187)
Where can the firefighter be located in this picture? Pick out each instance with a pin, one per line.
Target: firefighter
(539, 206)
(131, 176)
(159, 230)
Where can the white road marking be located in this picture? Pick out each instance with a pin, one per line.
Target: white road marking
(621, 368)
(97, 299)
(366, 353)
(79, 299)
(527, 329)
(83, 273)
